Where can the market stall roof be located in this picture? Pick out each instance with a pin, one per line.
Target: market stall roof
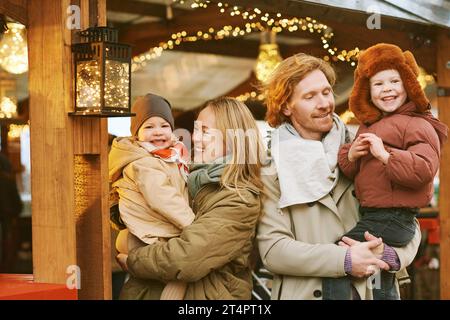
(435, 12)
(146, 23)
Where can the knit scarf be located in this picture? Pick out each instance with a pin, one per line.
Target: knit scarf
(204, 173)
(177, 153)
(307, 169)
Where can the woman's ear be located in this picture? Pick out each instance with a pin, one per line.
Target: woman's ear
(286, 110)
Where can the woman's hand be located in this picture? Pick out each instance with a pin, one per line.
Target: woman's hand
(358, 149)
(376, 146)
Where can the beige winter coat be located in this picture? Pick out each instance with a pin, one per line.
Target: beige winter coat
(153, 195)
(297, 242)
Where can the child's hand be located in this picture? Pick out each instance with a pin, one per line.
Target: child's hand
(376, 146)
(358, 149)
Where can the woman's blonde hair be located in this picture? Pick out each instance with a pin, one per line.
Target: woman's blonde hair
(243, 142)
(279, 88)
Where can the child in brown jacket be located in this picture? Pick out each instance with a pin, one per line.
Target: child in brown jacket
(149, 172)
(394, 157)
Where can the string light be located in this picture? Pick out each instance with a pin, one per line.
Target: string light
(195, 4)
(15, 130)
(116, 85)
(348, 117)
(8, 108)
(13, 49)
(274, 22)
(252, 95)
(206, 35)
(278, 24)
(424, 78)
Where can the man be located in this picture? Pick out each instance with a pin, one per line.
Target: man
(308, 204)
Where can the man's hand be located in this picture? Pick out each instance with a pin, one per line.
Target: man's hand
(121, 259)
(377, 251)
(358, 149)
(364, 262)
(376, 146)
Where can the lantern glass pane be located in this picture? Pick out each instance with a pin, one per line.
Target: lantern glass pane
(88, 84)
(117, 80)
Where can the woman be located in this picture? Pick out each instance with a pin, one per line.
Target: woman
(212, 254)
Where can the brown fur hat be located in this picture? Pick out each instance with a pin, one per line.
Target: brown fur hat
(377, 58)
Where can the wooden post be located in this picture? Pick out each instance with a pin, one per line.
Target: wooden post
(53, 221)
(91, 187)
(443, 81)
(68, 157)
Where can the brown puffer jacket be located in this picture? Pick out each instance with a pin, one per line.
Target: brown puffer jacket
(413, 141)
(212, 254)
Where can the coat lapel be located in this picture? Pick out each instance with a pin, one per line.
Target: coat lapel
(331, 199)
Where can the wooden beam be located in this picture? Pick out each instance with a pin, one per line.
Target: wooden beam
(143, 8)
(244, 87)
(50, 83)
(199, 20)
(247, 48)
(15, 9)
(234, 47)
(443, 80)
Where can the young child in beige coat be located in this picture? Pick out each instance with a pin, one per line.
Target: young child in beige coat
(149, 172)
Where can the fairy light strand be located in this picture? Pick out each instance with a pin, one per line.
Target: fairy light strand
(291, 25)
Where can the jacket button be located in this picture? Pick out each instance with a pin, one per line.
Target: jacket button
(311, 204)
(317, 293)
(354, 193)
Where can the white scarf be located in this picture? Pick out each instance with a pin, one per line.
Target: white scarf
(307, 169)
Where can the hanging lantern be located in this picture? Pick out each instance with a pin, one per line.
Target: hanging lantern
(13, 49)
(102, 74)
(269, 57)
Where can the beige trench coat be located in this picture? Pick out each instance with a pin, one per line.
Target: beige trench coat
(297, 243)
